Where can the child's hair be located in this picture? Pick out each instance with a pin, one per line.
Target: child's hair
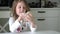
(15, 2)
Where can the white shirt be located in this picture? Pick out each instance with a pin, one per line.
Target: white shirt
(14, 24)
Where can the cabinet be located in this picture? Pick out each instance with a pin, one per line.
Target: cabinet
(46, 19)
(59, 22)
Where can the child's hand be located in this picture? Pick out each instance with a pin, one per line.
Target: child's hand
(28, 17)
(21, 16)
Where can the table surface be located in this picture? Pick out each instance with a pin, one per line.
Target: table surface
(37, 32)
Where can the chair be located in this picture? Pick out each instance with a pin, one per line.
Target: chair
(2, 28)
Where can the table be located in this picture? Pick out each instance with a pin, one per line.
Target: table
(37, 32)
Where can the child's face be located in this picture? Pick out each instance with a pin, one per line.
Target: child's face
(20, 8)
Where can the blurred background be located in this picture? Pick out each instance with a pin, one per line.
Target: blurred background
(46, 14)
(34, 3)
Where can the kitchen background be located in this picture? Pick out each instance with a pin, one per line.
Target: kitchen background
(46, 14)
(34, 3)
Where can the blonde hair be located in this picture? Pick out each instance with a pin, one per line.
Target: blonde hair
(15, 2)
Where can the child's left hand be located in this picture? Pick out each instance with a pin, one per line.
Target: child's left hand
(29, 17)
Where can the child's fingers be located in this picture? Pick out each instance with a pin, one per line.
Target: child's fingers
(28, 18)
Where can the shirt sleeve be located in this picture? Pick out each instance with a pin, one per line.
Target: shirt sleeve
(13, 25)
(32, 29)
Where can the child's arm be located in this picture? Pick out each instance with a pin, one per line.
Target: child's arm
(30, 19)
(33, 29)
(13, 25)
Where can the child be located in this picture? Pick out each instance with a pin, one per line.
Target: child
(21, 19)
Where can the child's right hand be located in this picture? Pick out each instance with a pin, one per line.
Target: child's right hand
(21, 16)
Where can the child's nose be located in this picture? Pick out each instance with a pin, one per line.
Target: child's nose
(22, 10)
